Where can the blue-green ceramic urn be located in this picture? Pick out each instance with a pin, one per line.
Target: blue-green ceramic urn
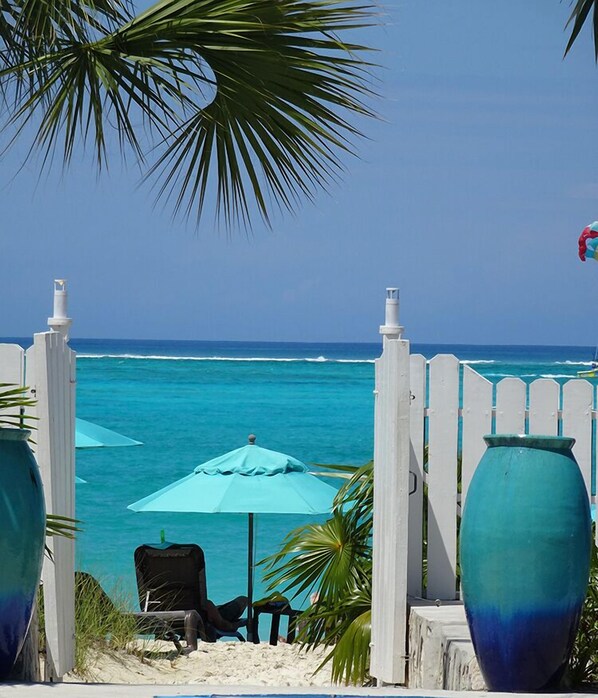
(525, 555)
(22, 536)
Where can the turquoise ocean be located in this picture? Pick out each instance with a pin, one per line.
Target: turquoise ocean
(190, 401)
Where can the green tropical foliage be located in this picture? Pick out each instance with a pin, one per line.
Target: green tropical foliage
(102, 623)
(14, 401)
(583, 664)
(332, 561)
(250, 102)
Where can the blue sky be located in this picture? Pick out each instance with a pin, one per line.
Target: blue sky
(469, 195)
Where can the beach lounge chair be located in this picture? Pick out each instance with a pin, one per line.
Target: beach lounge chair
(167, 626)
(171, 577)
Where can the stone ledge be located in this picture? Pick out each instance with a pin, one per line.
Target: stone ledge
(441, 654)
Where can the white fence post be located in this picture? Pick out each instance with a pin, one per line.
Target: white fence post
(391, 502)
(50, 373)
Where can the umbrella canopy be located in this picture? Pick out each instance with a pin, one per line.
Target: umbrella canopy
(250, 480)
(89, 435)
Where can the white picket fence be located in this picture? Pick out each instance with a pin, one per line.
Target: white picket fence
(449, 407)
(48, 369)
(451, 424)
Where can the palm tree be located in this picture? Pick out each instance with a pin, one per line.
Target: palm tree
(248, 102)
(333, 562)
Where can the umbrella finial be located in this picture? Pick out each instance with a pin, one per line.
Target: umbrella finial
(252, 438)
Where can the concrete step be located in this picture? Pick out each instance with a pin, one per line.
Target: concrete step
(441, 653)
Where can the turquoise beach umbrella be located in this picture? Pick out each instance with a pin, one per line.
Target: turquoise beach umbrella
(250, 480)
(89, 435)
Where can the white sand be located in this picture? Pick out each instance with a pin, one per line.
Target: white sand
(216, 664)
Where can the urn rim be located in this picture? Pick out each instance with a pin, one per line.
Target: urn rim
(530, 441)
(14, 434)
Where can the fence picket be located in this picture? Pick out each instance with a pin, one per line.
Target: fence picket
(578, 401)
(544, 407)
(416, 471)
(510, 406)
(443, 416)
(12, 371)
(477, 422)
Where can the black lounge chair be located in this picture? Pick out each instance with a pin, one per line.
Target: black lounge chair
(164, 625)
(171, 578)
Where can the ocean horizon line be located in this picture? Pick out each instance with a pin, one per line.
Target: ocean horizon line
(314, 343)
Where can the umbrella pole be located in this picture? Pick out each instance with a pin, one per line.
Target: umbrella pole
(250, 581)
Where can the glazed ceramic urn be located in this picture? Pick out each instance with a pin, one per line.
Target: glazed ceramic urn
(525, 555)
(22, 536)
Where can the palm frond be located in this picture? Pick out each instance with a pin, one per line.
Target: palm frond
(316, 556)
(245, 100)
(351, 656)
(275, 127)
(14, 401)
(578, 18)
(61, 526)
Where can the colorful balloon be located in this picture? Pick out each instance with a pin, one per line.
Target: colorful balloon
(588, 242)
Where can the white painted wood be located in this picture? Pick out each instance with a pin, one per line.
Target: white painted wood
(578, 402)
(391, 513)
(442, 476)
(417, 372)
(12, 367)
(575, 418)
(544, 407)
(477, 422)
(52, 376)
(510, 406)
(12, 358)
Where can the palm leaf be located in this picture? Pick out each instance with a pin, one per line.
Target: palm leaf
(247, 101)
(351, 656)
(14, 401)
(578, 17)
(62, 526)
(316, 556)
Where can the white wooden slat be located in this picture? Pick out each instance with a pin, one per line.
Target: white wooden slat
(442, 476)
(12, 363)
(578, 401)
(417, 373)
(544, 407)
(477, 422)
(391, 514)
(53, 373)
(510, 406)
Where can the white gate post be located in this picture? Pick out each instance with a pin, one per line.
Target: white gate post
(50, 373)
(391, 501)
